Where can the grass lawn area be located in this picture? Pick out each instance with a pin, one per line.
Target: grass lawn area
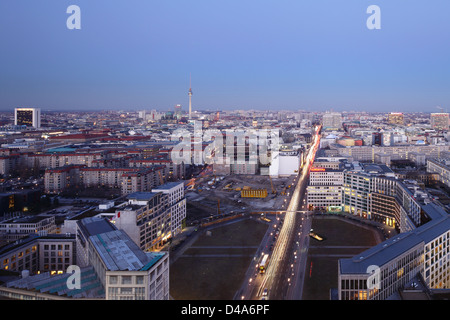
(196, 277)
(339, 232)
(341, 235)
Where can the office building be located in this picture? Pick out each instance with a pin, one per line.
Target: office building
(399, 152)
(146, 218)
(177, 203)
(439, 121)
(125, 271)
(332, 121)
(110, 266)
(52, 253)
(421, 254)
(396, 118)
(30, 117)
(440, 167)
(17, 228)
(324, 191)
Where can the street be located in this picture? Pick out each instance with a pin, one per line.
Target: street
(283, 277)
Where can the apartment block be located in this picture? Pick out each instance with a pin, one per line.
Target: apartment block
(126, 179)
(146, 218)
(174, 171)
(440, 167)
(177, 203)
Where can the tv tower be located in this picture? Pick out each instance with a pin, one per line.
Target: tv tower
(190, 97)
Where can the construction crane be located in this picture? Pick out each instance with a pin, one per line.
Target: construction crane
(271, 184)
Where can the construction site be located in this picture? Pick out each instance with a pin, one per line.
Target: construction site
(212, 197)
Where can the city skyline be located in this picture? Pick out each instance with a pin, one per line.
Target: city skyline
(314, 56)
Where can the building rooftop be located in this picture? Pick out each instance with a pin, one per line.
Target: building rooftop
(93, 226)
(168, 185)
(397, 245)
(21, 220)
(120, 253)
(141, 196)
(91, 286)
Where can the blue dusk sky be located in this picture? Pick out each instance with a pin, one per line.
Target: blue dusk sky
(258, 54)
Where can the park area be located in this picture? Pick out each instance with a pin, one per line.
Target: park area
(342, 239)
(214, 265)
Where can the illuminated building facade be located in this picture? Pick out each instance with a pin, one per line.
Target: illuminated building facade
(422, 253)
(439, 121)
(396, 118)
(146, 218)
(324, 191)
(30, 117)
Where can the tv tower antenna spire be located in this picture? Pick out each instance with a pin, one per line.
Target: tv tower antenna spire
(190, 97)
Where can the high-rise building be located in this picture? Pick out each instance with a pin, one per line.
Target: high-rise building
(325, 188)
(177, 112)
(396, 118)
(439, 121)
(30, 117)
(332, 120)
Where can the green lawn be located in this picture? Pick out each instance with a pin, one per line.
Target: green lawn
(321, 272)
(195, 277)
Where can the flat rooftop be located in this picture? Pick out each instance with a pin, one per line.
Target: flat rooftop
(120, 253)
(141, 196)
(93, 226)
(168, 185)
(21, 220)
(395, 246)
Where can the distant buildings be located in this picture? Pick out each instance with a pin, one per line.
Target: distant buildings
(396, 118)
(399, 152)
(332, 121)
(440, 167)
(439, 121)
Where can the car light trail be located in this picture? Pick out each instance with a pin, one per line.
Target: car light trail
(280, 251)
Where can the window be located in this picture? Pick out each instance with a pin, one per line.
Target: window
(126, 290)
(112, 279)
(126, 279)
(139, 279)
